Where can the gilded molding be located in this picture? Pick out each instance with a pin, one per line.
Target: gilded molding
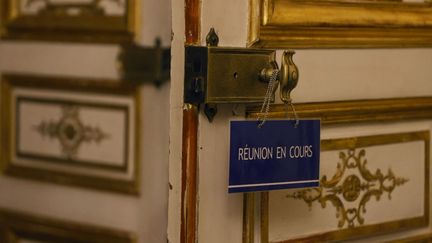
(340, 24)
(248, 219)
(254, 22)
(355, 111)
(80, 22)
(421, 238)
(18, 226)
(80, 9)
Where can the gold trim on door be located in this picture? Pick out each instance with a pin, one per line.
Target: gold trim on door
(18, 226)
(355, 111)
(54, 21)
(339, 24)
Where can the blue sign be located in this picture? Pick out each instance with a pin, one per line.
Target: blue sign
(276, 156)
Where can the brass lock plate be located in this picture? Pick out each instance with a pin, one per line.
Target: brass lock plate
(225, 75)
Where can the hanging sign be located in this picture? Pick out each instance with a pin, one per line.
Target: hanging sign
(277, 155)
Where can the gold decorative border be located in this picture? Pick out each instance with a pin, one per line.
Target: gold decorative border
(113, 87)
(17, 226)
(351, 143)
(424, 238)
(248, 217)
(91, 27)
(339, 24)
(356, 111)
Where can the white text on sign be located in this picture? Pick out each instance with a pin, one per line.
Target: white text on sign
(279, 152)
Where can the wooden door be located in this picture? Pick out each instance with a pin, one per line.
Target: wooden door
(367, 96)
(67, 208)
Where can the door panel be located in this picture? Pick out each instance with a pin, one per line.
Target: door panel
(391, 168)
(325, 76)
(145, 216)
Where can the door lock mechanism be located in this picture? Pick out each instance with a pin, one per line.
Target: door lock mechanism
(217, 75)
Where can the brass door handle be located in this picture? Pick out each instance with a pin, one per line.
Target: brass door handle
(287, 75)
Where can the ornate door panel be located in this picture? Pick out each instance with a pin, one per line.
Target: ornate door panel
(375, 106)
(84, 153)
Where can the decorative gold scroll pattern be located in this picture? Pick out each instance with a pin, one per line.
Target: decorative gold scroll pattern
(70, 131)
(92, 8)
(341, 189)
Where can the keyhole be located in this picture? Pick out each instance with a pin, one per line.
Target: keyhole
(235, 75)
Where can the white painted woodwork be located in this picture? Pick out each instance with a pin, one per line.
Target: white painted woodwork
(324, 75)
(146, 215)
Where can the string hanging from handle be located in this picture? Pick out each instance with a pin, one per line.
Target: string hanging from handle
(267, 98)
(287, 104)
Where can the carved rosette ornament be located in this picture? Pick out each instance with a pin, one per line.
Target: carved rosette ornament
(70, 131)
(352, 182)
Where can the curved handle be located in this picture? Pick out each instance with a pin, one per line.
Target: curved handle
(288, 77)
